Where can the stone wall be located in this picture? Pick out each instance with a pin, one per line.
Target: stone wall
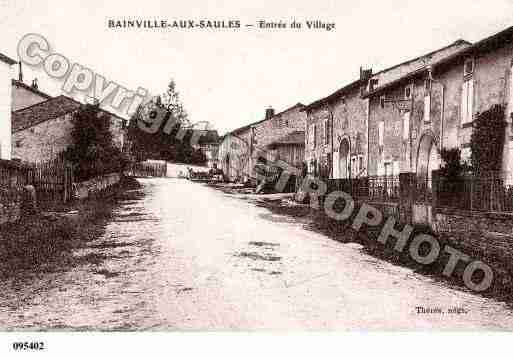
(95, 186)
(279, 125)
(489, 224)
(238, 154)
(46, 140)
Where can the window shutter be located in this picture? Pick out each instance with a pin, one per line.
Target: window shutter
(427, 108)
(323, 132)
(406, 126)
(336, 164)
(381, 128)
(470, 95)
(464, 102)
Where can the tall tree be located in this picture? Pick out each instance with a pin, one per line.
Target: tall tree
(165, 144)
(93, 151)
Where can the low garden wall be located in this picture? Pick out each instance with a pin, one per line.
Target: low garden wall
(94, 186)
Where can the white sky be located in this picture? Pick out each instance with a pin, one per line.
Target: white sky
(230, 77)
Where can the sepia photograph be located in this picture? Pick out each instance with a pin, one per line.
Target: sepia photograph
(255, 179)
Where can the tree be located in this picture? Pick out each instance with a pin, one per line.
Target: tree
(93, 151)
(487, 140)
(171, 102)
(161, 144)
(453, 168)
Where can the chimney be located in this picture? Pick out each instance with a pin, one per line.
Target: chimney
(20, 73)
(365, 74)
(92, 101)
(34, 84)
(269, 112)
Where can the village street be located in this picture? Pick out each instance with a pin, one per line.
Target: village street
(184, 256)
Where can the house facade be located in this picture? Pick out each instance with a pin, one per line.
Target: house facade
(6, 64)
(335, 133)
(234, 154)
(414, 117)
(41, 132)
(208, 143)
(338, 136)
(242, 148)
(289, 148)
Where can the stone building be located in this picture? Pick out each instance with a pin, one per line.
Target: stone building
(234, 154)
(5, 106)
(289, 148)
(337, 131)
(433, 107)
(208, 143)
(43, 131)
(242, 148)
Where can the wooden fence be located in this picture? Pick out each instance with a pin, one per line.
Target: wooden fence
(52, 180)
(13, 174)
(147, 169)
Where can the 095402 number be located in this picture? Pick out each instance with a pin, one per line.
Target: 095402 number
(28, 346)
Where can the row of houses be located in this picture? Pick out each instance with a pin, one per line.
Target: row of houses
(278, 136)
(389, 122)
(34, 126)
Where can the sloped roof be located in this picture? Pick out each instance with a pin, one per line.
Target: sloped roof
(47, 110)
(30, 88)
(43, 111)
(293, 138)
(240, 129)
(395, 73)
(210, 137)
(493, 41)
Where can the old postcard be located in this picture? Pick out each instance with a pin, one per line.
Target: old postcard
(269, 167)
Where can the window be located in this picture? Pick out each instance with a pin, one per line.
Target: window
(354, 166)
(406, 126)
(427, 108)
(381, 132)
(467, 99)
(330, 165)
(427, 85)
(382, 101)
(407, 92)
(326, 131)
(315, 136)
(468, 67)
(311, 136)
(373, 83)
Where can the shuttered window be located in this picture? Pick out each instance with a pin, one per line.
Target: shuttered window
(381, 132)
(427, 108)
(326, 131)
(406, 126)
(467, 101)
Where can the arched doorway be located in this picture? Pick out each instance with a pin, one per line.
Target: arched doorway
(428, 159)
(343, 162)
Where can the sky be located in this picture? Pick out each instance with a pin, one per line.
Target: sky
(229, 77)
